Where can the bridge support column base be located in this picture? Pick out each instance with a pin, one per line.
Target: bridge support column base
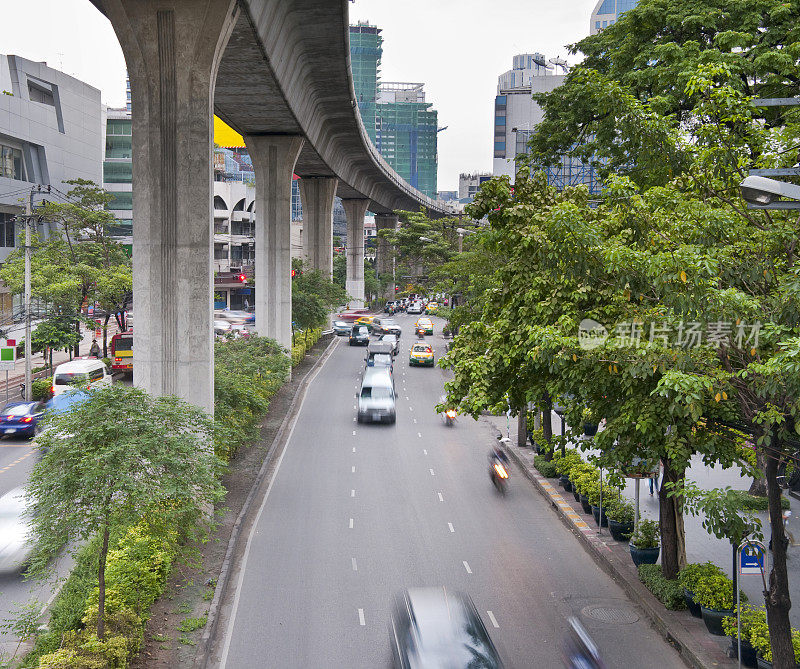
(355, 209)
(274, 157)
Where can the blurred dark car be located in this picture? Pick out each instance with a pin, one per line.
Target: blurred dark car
(439, 628)
(384, 326)
(341, 328)
(359, 336)
(20, 418)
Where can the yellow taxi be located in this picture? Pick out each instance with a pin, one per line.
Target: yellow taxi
(365, 320)
(431, 307)
(424, 324)
(421, 354)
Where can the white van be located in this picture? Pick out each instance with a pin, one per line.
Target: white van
(88, 373)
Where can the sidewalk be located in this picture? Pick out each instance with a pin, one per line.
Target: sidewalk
(697, 646)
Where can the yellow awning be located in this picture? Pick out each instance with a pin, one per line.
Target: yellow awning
(225, 136)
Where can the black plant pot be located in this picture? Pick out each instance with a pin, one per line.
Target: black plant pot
(589, 429)
(568, 486)
(644, 555)
(601, 520)
(748, 652)
(587, 508)
(620, 531)
(576, 494)
(761, 663)
(563, 480)
(693, 606)
(713, 619)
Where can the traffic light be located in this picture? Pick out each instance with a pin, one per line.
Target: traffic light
(242, 278)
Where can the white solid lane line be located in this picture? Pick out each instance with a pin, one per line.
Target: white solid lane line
(361, 617)
(466, 566)
(355, 566)
(441, 499)
(450, 525)
(492, 618)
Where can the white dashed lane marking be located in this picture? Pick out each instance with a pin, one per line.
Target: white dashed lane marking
(466, 566)
(441, 499)
(450, 525)
(355, 566)
(492, 618)
(361, 617)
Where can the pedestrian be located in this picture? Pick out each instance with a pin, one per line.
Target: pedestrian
(654, 479)
(94, 351)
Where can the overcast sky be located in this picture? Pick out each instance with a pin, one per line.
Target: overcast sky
(458, 48)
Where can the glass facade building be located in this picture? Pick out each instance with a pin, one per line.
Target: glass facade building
(401, 125)
(118, 171)
(606, 13)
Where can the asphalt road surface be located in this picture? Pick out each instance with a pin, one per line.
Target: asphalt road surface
(356, 513)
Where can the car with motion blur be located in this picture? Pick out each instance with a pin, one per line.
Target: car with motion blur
(359, 336)
(221, 328)
(431, 307)
(421, 354)
(15, 548)
(425, 324)
(383, 326)
(341, 328)
(351, 315)
(235, 316)
(438, 627)
(366, 321)
(414, 308)
(393, 341)
(384, 360)
(21, 419)
(376, 398)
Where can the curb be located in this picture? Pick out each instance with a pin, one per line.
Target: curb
(696, 653)
(202, 655)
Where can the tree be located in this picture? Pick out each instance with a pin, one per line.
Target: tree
(313, 296)
(57, 333)
(81, 262)
(111, 460)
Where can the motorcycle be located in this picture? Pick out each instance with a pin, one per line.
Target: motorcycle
(420, 333)
(450, 417)
(579, 651)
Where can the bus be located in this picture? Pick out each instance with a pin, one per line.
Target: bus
(122, 352)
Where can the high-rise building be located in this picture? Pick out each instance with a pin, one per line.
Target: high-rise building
(118, 172)
(365, 62)
(516, 116)
(470, 184)
(399, 122)
(606, 13)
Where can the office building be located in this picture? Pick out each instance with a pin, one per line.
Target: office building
(470, 184)
(606, 13)
(398, 120)
(118, 172)
(516, 116)
(50, 132)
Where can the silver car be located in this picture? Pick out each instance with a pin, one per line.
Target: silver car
(14, 529)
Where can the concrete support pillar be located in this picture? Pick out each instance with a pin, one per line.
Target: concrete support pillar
(355, 210)
(384, 259)
(274, 157)
(317, 195)
(172, 49)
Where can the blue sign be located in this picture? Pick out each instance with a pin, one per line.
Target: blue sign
(751, 558)
(245, 291)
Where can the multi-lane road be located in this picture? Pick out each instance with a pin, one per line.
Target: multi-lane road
(356, 513)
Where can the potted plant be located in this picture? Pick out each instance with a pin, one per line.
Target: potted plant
(564, 466)
(750, 618)
(605, 496)
(575, 475)
(714, 594)
(588, 482)
(620, 519)
(589, 423)
(688, 578)
(644, 544)
(759, 639)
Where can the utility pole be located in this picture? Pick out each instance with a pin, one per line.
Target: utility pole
(28, 375)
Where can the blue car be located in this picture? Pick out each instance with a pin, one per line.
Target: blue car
(20, 418)
(65, 401)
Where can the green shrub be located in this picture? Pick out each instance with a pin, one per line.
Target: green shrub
(565, 464)
(750, 616)
(621, 510)
(694, 572)
(715, 591)
(668, 592)
(546, 468)
(646, 534)
(42, 390)
(748, 502)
